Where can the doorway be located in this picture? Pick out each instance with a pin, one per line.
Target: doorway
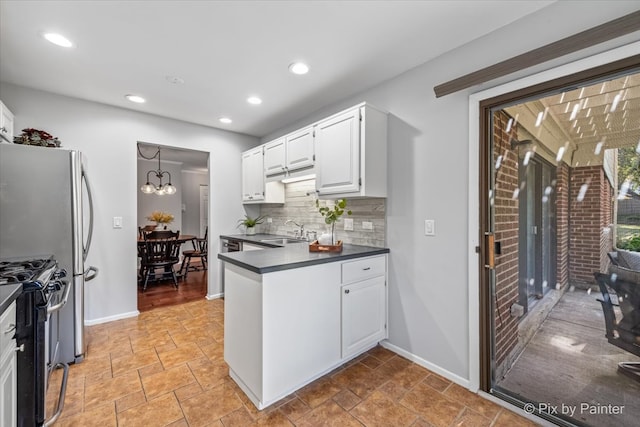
(189, 174)
(552, 157)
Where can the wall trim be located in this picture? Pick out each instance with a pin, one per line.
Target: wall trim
(211, 297)
(111, 318)
(474, 225)
(425, 364)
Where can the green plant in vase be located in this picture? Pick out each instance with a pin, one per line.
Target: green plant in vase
(331, 216)
(250, 223)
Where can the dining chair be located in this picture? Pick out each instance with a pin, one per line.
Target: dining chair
(161, 252)
(199, 250)
(146, 229)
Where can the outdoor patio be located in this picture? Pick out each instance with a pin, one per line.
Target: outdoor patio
(569, 361)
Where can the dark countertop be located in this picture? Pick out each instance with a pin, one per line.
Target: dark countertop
(8, 294)
(294, 255)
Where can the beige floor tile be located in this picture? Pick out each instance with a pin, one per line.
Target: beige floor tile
(470, 418)
(482, 406)
(238, 418)
(329, 414)
(319, 391)
(295, 409)
(393, 390)
(214, 351)
(157, 412)
(146, 371)
(208, 373)
(97, 363)
(99, 416)
(381, 353)
(378, 410)
(180, 355)
(188, 391)
(133, 361)
(210, 405)
(432, 405)
(131, 400)
(273, 419)
(163, 382)
(437, 382)
(150, 341)
(346, 399)
(509, 419)
(111, 389)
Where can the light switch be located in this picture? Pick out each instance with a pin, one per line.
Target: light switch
(348, 224)
(269, 220)
(366, 225)
(429, 227)
(117, 222)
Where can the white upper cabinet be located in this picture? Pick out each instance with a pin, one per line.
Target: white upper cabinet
(252, 176)
(300, 149)
(6, 123)
(254, 187)
(275, 157)
(351, 153)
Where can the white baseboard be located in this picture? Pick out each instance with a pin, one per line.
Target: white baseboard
(430, 366)
(214, 296)
(111, 318)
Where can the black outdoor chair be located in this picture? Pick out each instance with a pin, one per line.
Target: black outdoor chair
(160, 252)
(199, 250)
(624, 333)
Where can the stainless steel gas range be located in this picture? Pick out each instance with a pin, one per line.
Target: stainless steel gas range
(44, 294)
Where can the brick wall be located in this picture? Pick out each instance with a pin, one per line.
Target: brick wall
(562, 225)
(506, 231)
(589, 217)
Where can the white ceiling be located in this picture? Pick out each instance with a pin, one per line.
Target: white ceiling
(228, 50)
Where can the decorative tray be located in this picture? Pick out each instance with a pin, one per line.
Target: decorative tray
(317, 247)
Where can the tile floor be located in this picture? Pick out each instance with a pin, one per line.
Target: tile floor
(166, 368)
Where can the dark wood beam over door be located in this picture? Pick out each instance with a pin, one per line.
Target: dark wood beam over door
(591, 37)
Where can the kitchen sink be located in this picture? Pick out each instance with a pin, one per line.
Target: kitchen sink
(282, 241)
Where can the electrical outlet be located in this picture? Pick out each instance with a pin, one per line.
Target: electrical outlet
(367, 225)
(429, 227)
(117, 222)
(269, 220)
(348, 224)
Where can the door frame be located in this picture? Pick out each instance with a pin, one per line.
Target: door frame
(618, 60)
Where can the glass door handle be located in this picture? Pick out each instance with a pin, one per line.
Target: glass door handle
(490, 250)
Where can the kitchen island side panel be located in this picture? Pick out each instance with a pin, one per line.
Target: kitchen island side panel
(243, 327)
(301, 315)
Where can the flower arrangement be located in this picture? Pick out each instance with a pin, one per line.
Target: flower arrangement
(160, 217)
(32, 136)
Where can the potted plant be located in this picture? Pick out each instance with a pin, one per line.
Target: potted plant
(331, 216)
(250, 223)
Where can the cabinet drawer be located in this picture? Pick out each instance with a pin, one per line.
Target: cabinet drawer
(7, 326)
(362, 269)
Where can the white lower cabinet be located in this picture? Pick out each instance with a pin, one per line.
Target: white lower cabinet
(284, 329)
(364, 314)
(8, 369)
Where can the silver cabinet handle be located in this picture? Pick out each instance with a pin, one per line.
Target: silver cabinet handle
(346, 291)
(3, 129)
(366, 268)
(12, 327)
(21, 348)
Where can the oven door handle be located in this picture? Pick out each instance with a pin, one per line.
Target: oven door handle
(53, 308)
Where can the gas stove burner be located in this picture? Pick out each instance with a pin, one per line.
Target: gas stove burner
(23, 270)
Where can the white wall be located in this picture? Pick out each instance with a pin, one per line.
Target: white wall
(428, 161)
(148, 203)
(108, 136)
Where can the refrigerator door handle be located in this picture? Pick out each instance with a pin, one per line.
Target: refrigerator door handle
(85, 250)
(87, 274)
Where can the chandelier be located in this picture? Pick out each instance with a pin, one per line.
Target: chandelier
(161, 188)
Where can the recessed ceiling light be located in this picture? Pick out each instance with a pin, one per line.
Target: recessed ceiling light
(135, 98)
(58, 39)
(299, 68)
(225, 120)
(254, 100)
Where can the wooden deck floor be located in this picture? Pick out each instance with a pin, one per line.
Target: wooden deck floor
(570, 362)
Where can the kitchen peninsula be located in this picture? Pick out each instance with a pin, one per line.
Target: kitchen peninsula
(292, 315)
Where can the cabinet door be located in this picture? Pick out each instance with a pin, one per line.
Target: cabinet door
(300, 149)
(8, 387)
(275, 157)
(364, 314)
(6, 123)
(337, 148)
(252, 175)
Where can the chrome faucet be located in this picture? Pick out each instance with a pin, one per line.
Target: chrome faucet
(298, 233)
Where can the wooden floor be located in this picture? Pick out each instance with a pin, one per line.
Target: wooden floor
(164, 294)
(570, 362)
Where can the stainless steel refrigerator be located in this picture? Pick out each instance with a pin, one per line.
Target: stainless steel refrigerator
(46, 208)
